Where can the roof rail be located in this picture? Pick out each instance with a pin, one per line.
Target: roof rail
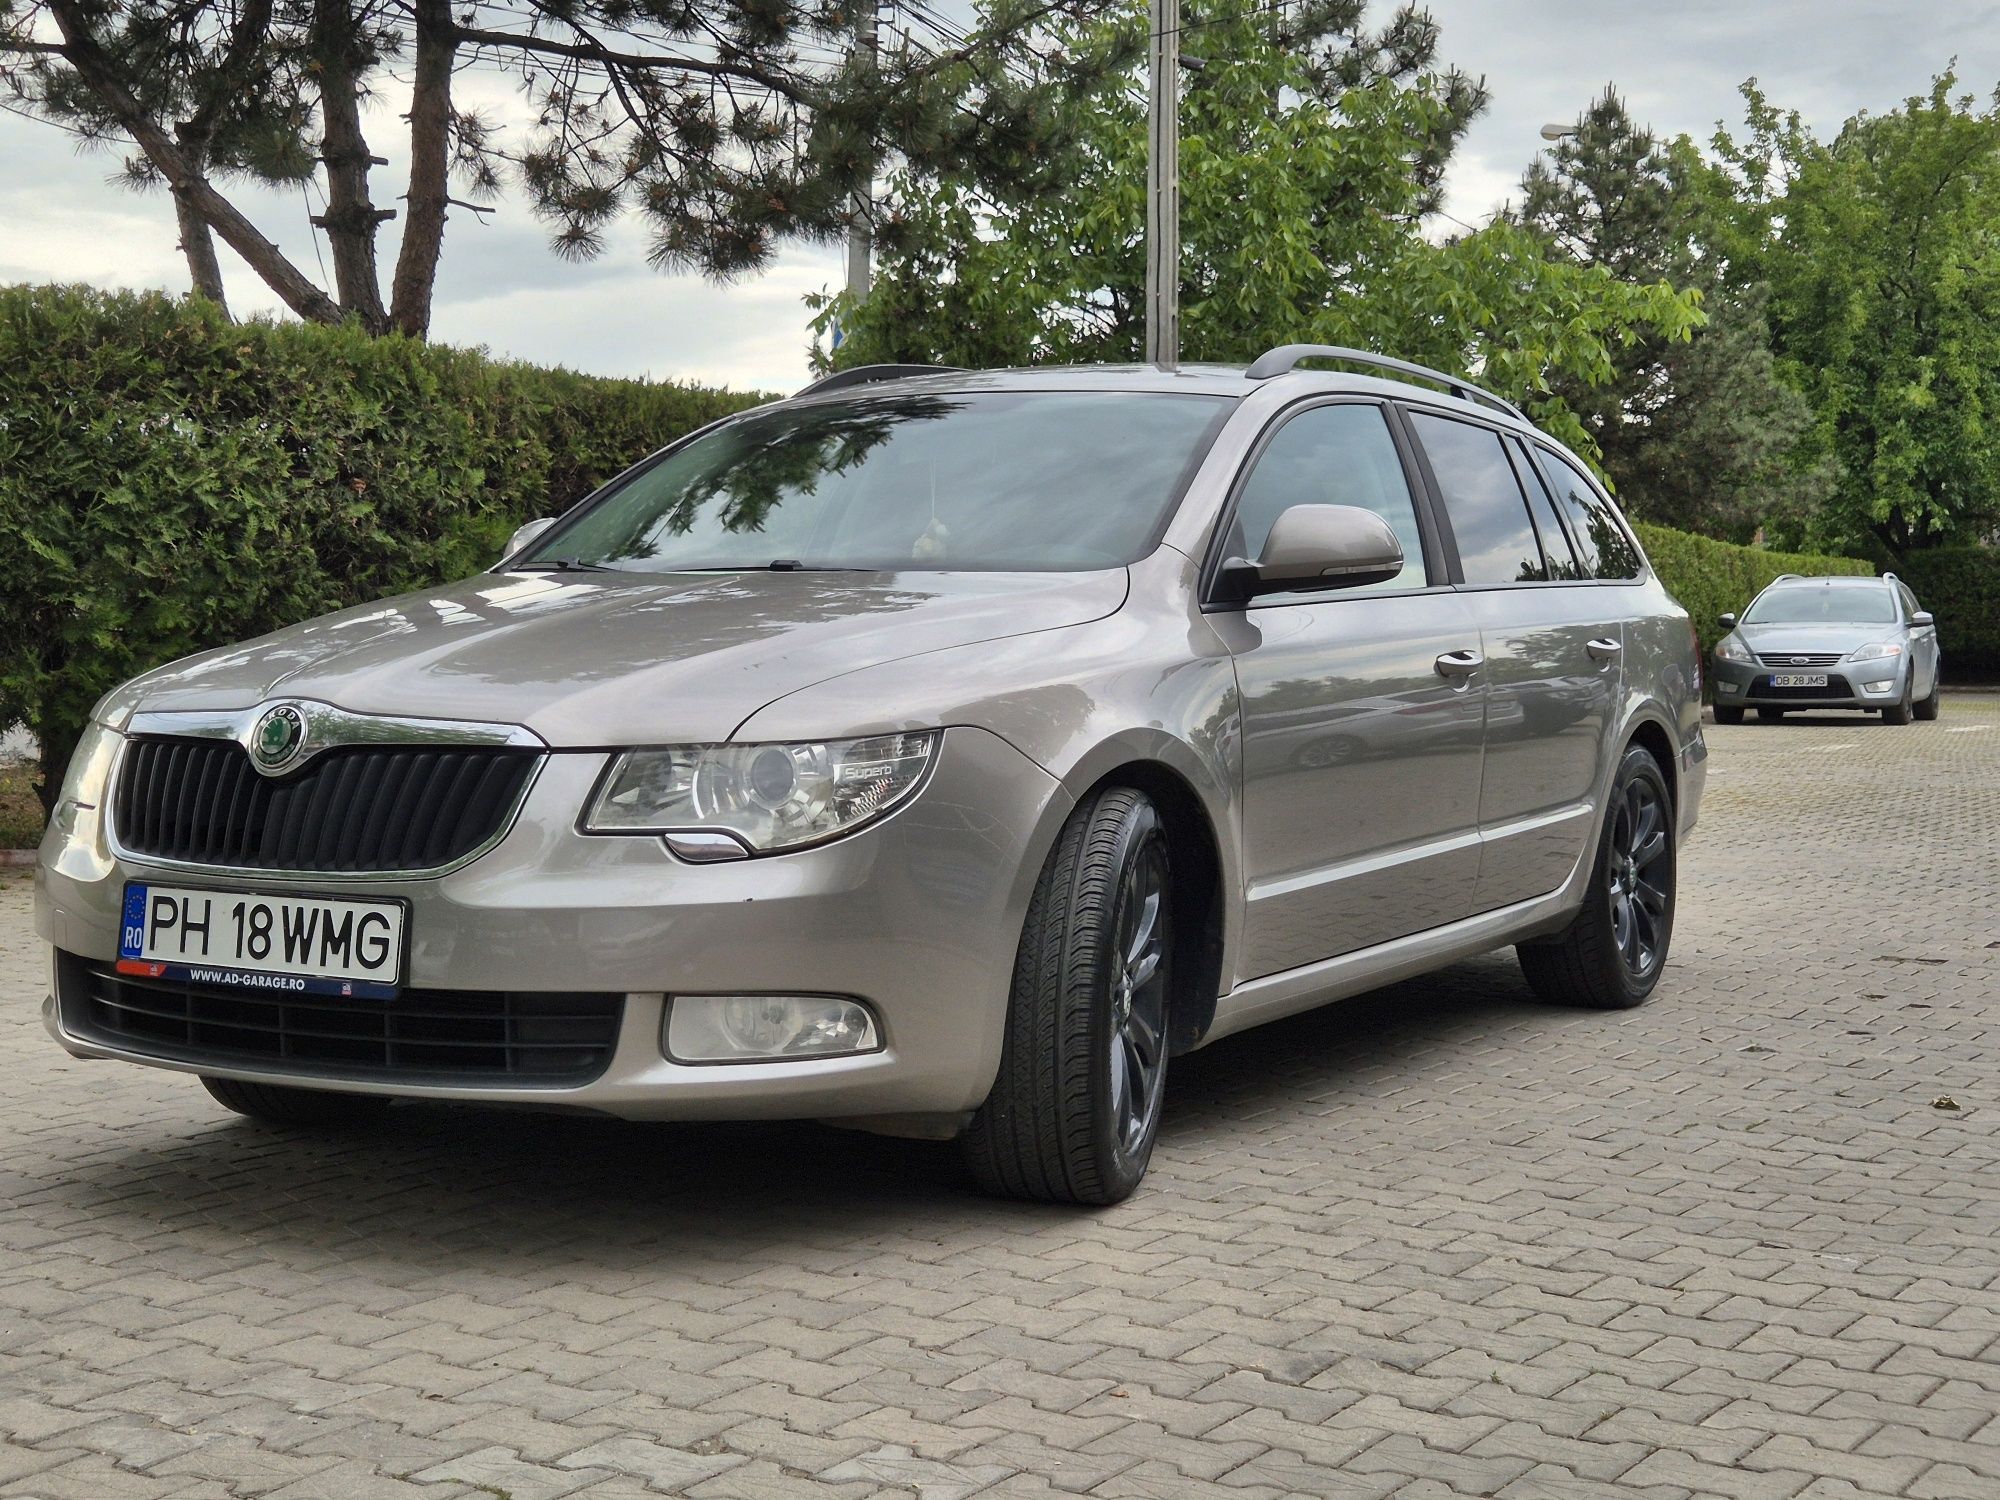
(1890, 578)
(1286, 357)
(839, 380)
(1783, 576)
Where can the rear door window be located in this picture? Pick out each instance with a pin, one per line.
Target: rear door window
(1564, 565)
(1607, 551)
(1482, 500)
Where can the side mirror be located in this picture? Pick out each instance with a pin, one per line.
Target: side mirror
(1923, 617)
(1319, 547)
(524, 536)
(1728, 622)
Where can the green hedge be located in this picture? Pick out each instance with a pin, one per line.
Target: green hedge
(171, 481)
(1710, 578)
(1961, 586)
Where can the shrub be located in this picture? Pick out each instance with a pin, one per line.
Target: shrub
(1710, 578)
(171, 481)
(1961, 586)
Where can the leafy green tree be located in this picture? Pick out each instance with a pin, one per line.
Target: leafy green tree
(1700, 434)
(1881, 249)
(727, 125)
(1312, 151)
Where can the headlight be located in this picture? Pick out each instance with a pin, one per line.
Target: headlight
(762, 797)
(1877, 651)
(1733, 649)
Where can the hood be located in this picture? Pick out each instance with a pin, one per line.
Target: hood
(599, 660)
(1805, 640)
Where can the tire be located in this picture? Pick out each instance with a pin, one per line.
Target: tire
(295, 1108)
(1927, 708)
(1771, 714)
(1901, 713)
(1076, 1106)
(1603, 959)
(1728, 715)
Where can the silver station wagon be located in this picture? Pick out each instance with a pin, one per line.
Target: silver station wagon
(940, 753)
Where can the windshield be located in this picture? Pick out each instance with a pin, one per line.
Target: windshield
(1822, 605)
(1043, 481)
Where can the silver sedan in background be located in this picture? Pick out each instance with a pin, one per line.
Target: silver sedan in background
(1814, 643)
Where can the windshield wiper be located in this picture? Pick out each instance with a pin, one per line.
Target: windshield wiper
(776, 565)
(565, 565)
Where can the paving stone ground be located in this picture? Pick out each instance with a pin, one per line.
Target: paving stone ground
(1441, 1241)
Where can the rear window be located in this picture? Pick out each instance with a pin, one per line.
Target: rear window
(1041, 481)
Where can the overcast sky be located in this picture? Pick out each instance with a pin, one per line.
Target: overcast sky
(1679, 66)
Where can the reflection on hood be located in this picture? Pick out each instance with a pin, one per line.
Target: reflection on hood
(598, 659)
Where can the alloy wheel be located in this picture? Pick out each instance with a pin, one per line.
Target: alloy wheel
(1139, 996)
(1639, 878)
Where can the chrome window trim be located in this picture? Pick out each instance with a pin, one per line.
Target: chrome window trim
(329, 728)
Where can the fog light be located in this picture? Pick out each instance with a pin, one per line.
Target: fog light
(767, 1028)
(1881, 688)
(1723, 685)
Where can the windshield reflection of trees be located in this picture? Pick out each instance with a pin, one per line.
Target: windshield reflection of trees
(752, 467)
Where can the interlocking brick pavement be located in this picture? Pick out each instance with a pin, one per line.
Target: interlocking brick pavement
(1443, 1241)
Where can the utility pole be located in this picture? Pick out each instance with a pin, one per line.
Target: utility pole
(860, 231)
(1163, 190)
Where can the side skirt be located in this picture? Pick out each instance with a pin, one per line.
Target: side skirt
(1312, 985)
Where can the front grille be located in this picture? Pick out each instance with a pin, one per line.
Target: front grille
(357, 809)
(487, 1037)
(1798, 658)
(1836, 687)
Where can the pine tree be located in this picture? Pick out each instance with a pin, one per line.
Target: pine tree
(1702, 434)
(729, 126)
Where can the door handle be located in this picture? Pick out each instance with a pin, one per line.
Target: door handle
(1459, 665)
(1604, 649)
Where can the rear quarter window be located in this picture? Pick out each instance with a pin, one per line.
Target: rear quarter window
(1607, 552)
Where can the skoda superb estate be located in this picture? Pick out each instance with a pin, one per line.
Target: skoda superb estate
(942, 753)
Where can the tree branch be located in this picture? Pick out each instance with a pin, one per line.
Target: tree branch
(97, 71)
(778, 83)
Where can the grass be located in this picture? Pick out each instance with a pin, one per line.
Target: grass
(20, 809)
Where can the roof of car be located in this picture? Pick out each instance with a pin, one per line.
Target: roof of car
(1231, 381)
(1831, 579)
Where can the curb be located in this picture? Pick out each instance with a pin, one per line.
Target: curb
(16, 859)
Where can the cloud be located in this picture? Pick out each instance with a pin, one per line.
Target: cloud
(1679, 66)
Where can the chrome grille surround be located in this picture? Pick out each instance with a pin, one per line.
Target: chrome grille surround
(503, 760)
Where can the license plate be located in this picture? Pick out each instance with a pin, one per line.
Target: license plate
(263, 943)
(1798, 679)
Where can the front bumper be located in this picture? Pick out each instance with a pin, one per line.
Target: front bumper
(1866, 685)
(919, 916)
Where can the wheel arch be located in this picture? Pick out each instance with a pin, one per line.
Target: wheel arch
(1653, 735)
(1191, 802)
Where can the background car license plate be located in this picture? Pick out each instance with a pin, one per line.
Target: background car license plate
(1798, 679)
(309, 945)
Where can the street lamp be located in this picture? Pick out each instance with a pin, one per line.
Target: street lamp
(1558, 132)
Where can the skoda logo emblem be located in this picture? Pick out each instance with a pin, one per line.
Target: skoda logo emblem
(279, 738)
